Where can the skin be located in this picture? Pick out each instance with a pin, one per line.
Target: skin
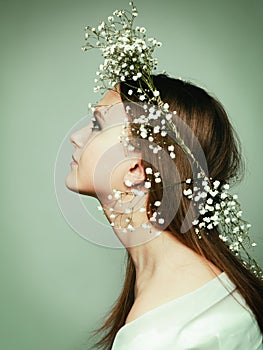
(165, 268)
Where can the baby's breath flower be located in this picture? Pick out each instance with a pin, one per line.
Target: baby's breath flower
(148, 171)
(147, 184)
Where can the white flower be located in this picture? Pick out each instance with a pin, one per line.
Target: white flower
(210, 201)
(142, 97)
(145, 225)
(213, 193)
(157, 203)
(223, 238)
(161, 221)
(158, 180)
(138, 193)
(148, 171)
(128, 183)
(166, 107)
(223, 195)
(117, 194)
(216, 184)
(130, 227)
(239, 213)
(172, 155)
(130, 92)
(157, 149)
(187, 192)
(156, 93)
(206, 219)
(142, 210)
(130, 148)
(147, 184)
(171, 148)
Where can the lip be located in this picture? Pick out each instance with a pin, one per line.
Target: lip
(74, 160)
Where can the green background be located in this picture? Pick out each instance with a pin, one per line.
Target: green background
(55, 286)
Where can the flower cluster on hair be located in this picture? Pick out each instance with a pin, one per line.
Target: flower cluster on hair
(127, 52)
(218, 208)
(128, 56)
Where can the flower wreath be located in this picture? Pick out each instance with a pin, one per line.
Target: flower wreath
(128, 55)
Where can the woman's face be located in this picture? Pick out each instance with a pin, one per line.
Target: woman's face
(101, 162)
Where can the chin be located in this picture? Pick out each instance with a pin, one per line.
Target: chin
(72, 186)
(71, 182)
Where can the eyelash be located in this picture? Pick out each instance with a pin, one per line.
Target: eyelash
(95, 125)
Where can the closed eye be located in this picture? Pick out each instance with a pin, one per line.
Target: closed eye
(95, 125)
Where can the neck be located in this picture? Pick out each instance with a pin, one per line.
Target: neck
(161, 259)
(157, 255)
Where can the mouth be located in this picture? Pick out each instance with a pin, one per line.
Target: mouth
(74, 160)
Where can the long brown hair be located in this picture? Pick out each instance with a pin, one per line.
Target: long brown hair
(208, 120)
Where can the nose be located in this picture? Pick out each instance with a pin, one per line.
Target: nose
(80, 137)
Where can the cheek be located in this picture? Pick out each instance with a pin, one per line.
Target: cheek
(99, 159)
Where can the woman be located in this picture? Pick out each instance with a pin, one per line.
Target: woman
(172, 271)
(159, 155)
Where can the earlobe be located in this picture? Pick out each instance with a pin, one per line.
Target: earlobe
(135, 175)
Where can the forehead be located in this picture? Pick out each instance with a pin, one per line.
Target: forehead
(110, 98)
(110, 109)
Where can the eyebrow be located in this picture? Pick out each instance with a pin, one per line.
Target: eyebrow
(98, 114)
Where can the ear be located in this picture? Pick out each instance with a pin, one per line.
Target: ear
(135, 175)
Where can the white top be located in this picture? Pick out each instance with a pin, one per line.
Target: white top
(208, 318)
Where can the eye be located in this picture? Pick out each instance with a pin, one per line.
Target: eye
(95, 125)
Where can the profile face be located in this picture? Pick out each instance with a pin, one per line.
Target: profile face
(100, 158)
